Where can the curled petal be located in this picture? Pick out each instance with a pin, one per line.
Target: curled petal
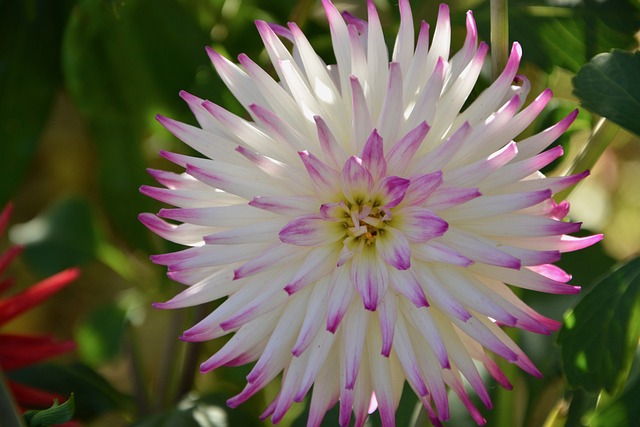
(357, 181)
(394, 248)
(310, 230)
(390, 191)
(419, 224)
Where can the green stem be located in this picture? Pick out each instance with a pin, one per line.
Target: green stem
(506, 415)
(166, 381)
(603, 133)
(191, 359)
(499, 36)
(137, 375)
(419, 418)
(8, 409)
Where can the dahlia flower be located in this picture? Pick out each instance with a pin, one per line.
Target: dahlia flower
(363, 230)
(18, 350)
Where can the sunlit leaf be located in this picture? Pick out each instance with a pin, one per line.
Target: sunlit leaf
(609, 86)
(622, 412)
(600, 336)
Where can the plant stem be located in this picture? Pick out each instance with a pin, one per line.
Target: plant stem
(499, 36)
(603, 133)
(8, 409)
(137, 375)
(191, 358)
(168, 364)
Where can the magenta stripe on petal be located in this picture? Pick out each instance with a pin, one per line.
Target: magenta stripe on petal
(401, 154)
(521, 226)
(571, 243)
(419, 224)
(310, 230)
(285, 205)
(373, 156)
(445, 198)
(357, 181)
(328, 143)
(316, 265)
(268, 259)
(369, 278)
(387, 315)
(406, 283)
(480, 249)
(340, 295)
(526, 279)
(435, 251)
(334, 211)
(355, 330)
(551, 271)
(325, 179)
(394, 248)
(421, 187)
(391, 190)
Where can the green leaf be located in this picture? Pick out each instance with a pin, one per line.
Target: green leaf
(93, 394)
(600, 335)
(29, 78)
(622, 412)
(567, 33)
(609, 86)
(62, 236)
(123, 65)
(100, 337)
(56, 414)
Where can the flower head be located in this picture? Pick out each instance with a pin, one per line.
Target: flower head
(18, 350)
(363, 229)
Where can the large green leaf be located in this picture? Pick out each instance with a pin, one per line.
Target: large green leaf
(123, 66)
(622, 412)
(62, 236)
(30, 34)
(567, 33)
(600, 336)
(609, 86)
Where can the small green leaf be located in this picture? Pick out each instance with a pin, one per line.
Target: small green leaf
(609, 86)
(100, 337)
(56, 414)
(600, 336)
(94, 395)
(622, 412)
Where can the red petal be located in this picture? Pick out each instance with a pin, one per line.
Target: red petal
(11, 307)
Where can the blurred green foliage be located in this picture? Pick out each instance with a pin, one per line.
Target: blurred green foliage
(118, 63)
